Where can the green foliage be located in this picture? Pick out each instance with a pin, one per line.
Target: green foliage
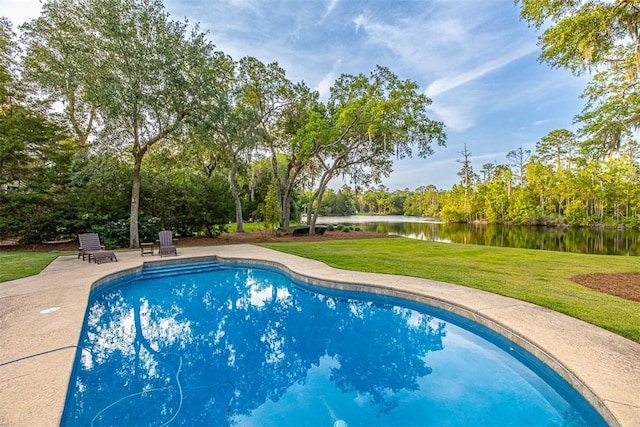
(127, 63)
(115, 234)
(102, 185)
(272, 213)
(338, 203)
(602, 37)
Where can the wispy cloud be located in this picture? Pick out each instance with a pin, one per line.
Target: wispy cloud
(447, 83)
(330, 7)
(324, 85)
(454, 117)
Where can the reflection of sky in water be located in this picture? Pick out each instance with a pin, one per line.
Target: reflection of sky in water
(243, 347)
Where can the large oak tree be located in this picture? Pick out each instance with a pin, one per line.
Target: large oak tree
(141, 72)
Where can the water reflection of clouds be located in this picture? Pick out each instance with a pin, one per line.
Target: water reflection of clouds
(281, 350)
(258, 296)
(116, 334)
(161, 328)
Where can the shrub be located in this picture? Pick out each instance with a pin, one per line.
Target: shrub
(115, 234)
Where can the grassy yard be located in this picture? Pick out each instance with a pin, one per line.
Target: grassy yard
(540, 277)
(14, 265)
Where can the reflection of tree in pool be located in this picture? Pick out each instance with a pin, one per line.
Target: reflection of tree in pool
(247, 341)
(379, 351)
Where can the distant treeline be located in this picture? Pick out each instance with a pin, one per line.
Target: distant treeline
(553, 185)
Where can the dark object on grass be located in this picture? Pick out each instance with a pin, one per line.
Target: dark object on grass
(303, 230)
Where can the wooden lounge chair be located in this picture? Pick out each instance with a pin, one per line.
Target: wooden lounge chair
(91, 249)
(166, 243)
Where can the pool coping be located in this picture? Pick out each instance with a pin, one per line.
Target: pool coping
(602, 366)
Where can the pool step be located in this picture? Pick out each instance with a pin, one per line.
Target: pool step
(154, 272)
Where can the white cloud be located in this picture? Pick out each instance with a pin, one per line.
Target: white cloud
(445, 84)
(244, 4)
(330, 7)
(453, 116)
(324, 85)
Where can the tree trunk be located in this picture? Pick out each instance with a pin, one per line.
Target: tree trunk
(134, 237)
(295, 209)
(276, 183)
(317, 198)
(236, 198)
(316, 211)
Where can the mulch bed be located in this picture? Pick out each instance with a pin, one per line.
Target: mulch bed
(623, 285)
(224, 239)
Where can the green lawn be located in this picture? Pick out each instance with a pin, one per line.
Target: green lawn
(540, 277)
(14, 265)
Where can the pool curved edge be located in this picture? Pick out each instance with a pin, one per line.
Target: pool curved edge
(451, 306)
(404, 287)
(602, 366)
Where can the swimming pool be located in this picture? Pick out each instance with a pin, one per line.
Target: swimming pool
(237, 344)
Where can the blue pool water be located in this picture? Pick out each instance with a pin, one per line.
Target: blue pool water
(242, 345)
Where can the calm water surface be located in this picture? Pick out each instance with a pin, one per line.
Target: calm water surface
(608, 241)
(248, 346)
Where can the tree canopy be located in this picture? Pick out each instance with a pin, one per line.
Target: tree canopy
(602, 37)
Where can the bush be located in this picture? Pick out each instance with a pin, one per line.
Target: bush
(33, 218)
(115, 234)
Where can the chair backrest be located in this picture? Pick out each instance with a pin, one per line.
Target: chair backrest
(89, 241)
(166, 238)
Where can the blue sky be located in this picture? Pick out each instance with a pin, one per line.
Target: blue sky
(474, 58)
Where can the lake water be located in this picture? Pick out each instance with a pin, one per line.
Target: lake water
(608, 241)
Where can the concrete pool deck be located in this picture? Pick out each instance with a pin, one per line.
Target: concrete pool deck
(603, 366)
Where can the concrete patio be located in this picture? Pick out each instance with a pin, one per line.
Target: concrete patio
(37, 341)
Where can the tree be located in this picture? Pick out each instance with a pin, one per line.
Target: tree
(557, 148)
(487, 171)
(600, 35)
(60, 64)
(141, 71)
(290, 117)
(369, 120)
(281, 110)
(518, 159)
(228, 131)
(467, 179)
(8, 53)
(300, 133)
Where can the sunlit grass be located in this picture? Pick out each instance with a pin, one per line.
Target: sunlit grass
(536, 276)
(248, 226)
(15, 265)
